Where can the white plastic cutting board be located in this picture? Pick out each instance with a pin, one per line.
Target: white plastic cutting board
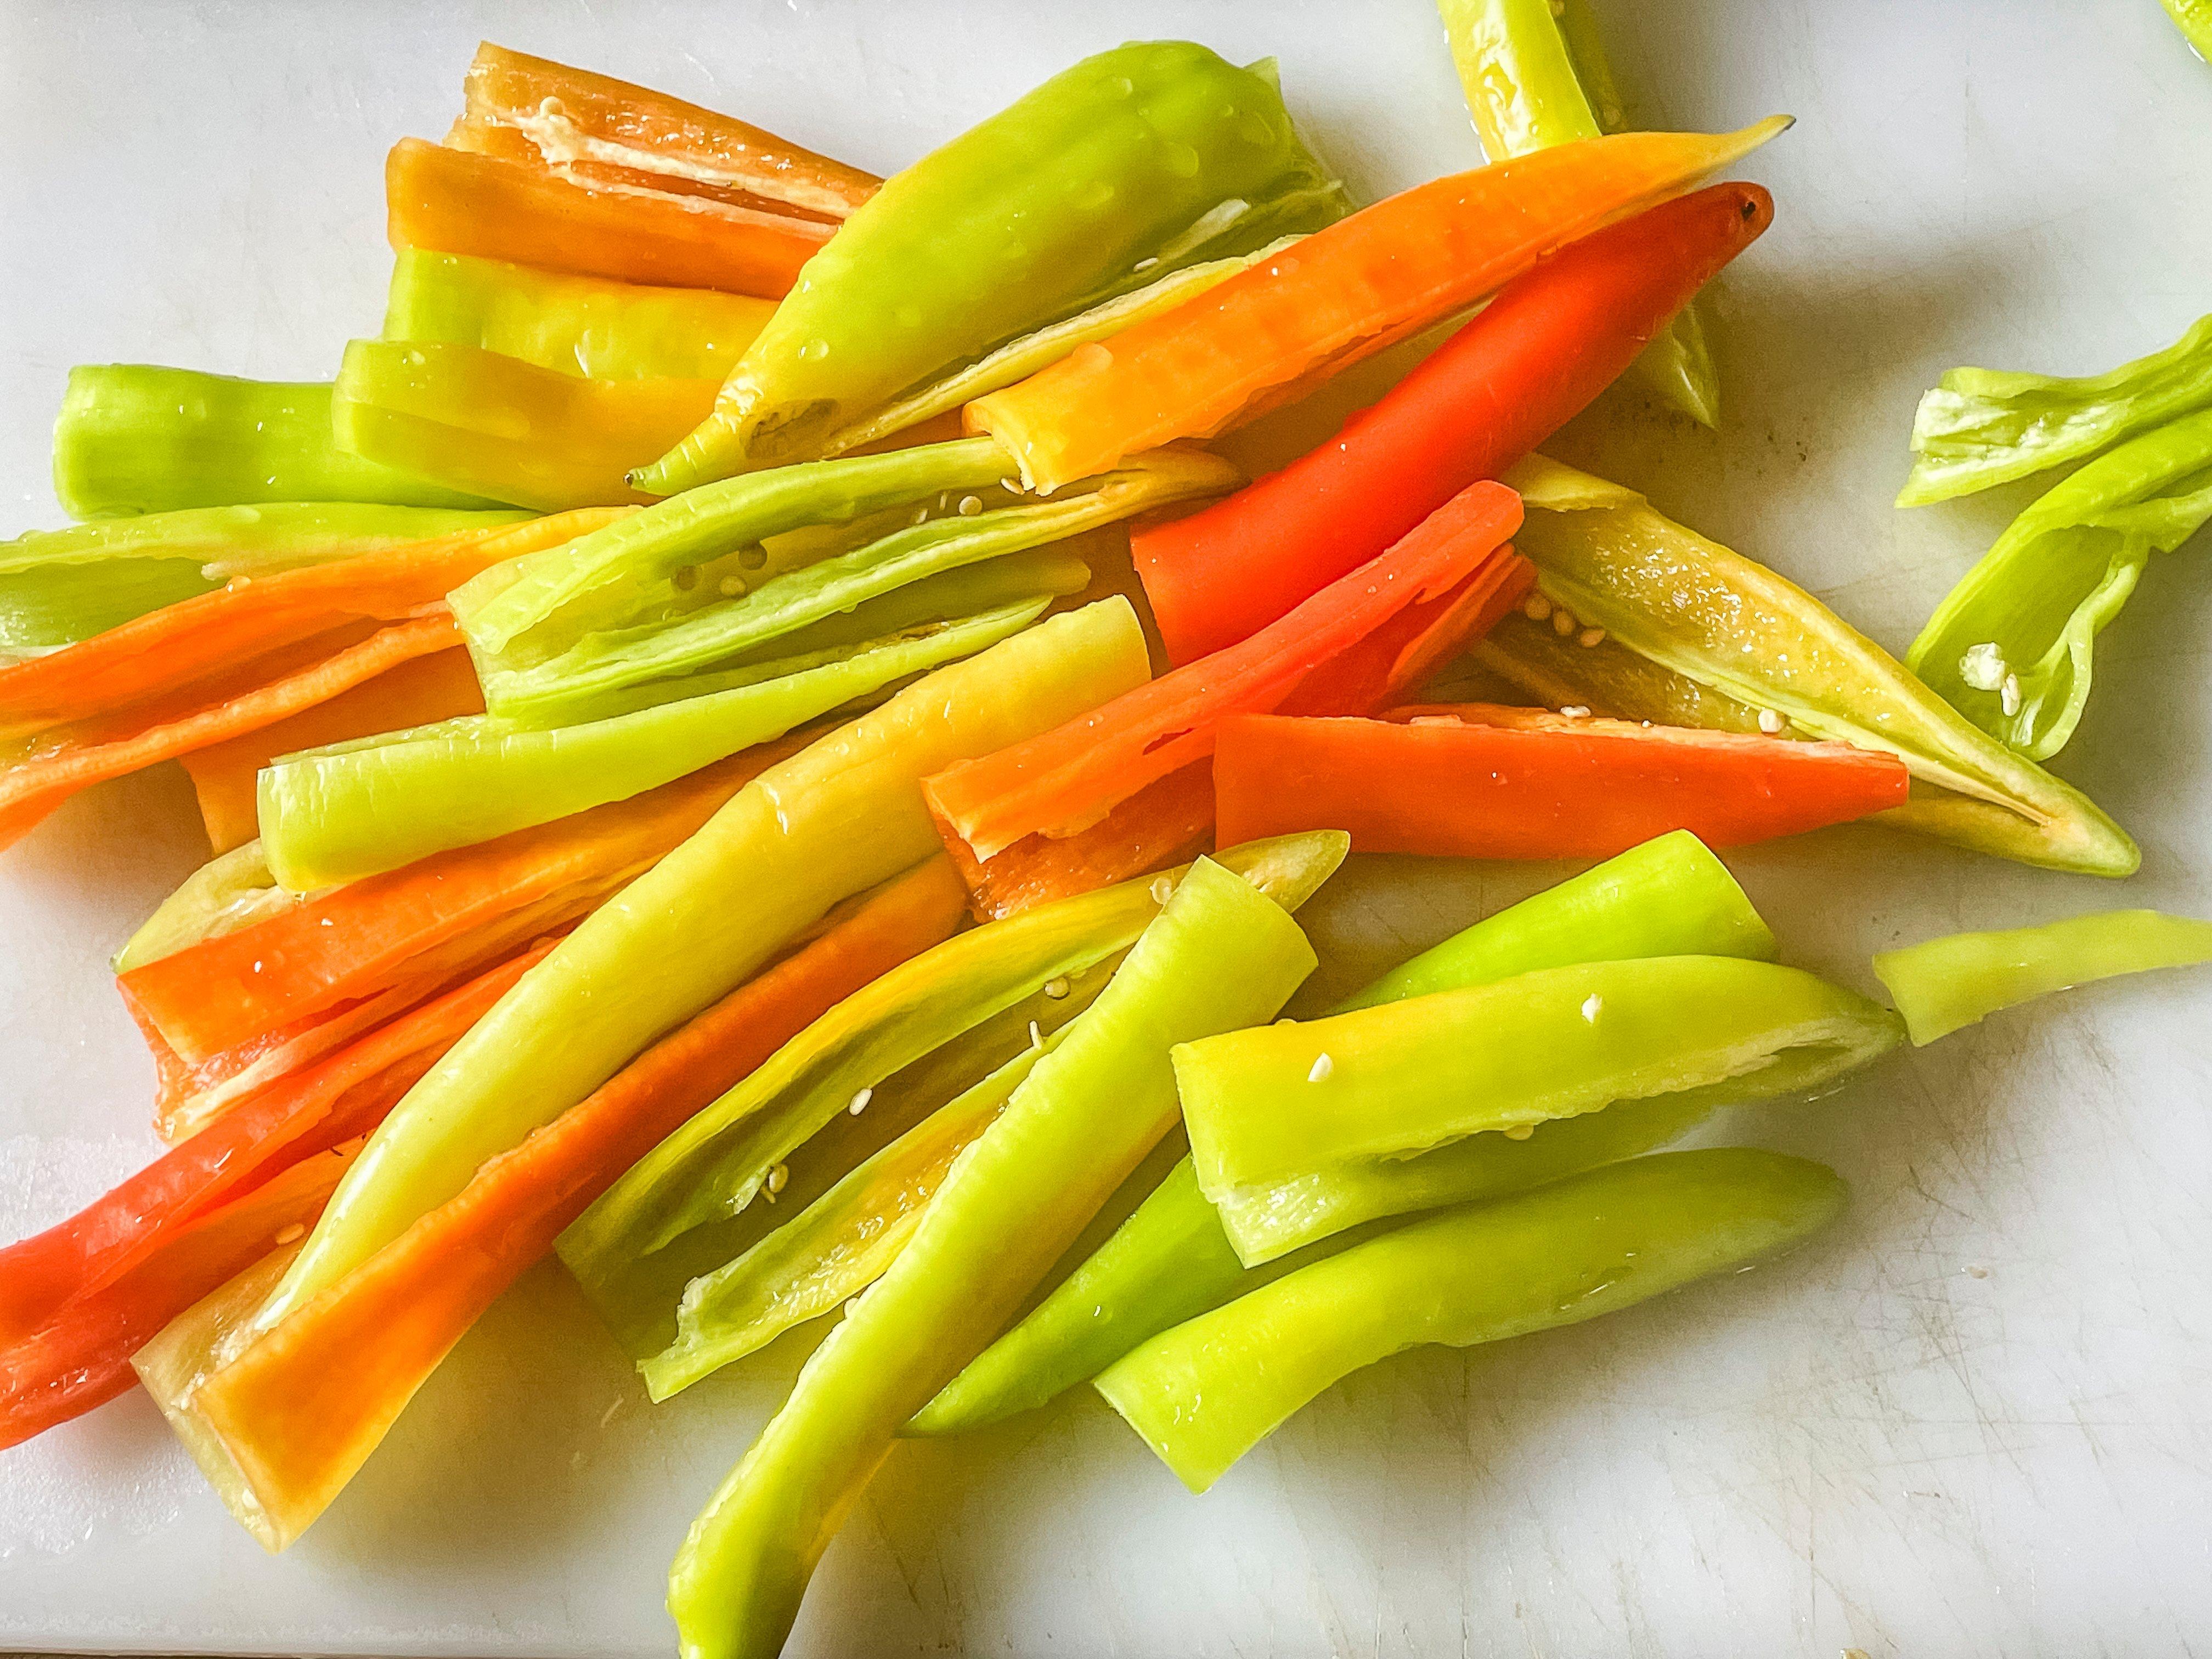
(1972, 1420)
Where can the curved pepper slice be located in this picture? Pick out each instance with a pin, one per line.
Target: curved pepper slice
(1944, 985)
(1219, 955)
(1205, 1393)
(1267, 335)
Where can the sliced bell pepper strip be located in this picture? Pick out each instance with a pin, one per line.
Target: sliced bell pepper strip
(1389, 1082)
(363, 938)
(578, 118)
(1132, 163)
(1984, 427)
(439, 687)
(1474, 780)
(338, 1099)
(338, 814)
(1552, 340)
(1526, 654)
(2010, 645)
(1171, 1260)
(1535, 75)
(503, 428)
(1267, 335)
(497, 207)
(1218, 956)
(1068, 780)
(284, 1421)
(833, 1249)
(602, 671)
(1622, 573)
(82, 1358)
(1173, 819)
(840, 816)
(135, 438)
(2194, 19)
(1204, 1394)
(719, 1161)
(33, 786)
(582, 325)
(1944, 985)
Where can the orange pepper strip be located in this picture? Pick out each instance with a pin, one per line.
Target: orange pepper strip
(596, 120)
(369, 935)
(1477, 782)
(456, 200)
(1168, 822)
(1270, 332)
(300, 1410)
(1065, 780)
(225, 776)
(343, 1096)
(82, 1358)
(31, 789)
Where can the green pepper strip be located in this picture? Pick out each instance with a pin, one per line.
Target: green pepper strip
(1735, 627)
(1205, 1393)
(230, 891)
(1171, 1260)
(58, 586)
(580, 681)
(1121, 170)
(716, 1163)
(1943, 985)
(590, 326)
(2010, 645)
(2194, 19)
(351, 810)
(1218, 956)
(134, 438)
(839, 816)
(1390, 1082)
(1535, 75)
(1984, 427)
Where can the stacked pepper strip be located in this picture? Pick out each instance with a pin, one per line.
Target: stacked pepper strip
(1113, 173)
(1480, 781)
(282, 1420)
(1068, 780)
(1220, 955)
(1265, 337)
(1534, 357)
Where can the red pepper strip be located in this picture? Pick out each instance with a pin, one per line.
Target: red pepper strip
(302, 1408)
(32, 789)
(168, 653)
(1550, 342)
(225, 776)
(1482, 782)
(82, 1358)
(499, 207)
(228, 989)
(1167, 821)
(1066, 780)
(342, 1097)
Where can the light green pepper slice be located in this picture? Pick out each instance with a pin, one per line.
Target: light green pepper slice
(2194, 19)
(1535, 75)
(1118, 171)
(590, 326)
(839, 816)
(1267, 1106)
(135, 438)
(230, 891)
(339, 813)
(1172, 1259)
(1737, 628)
(2011, 646)
(1204, 1394)
(719, 1160)
(583, 681)
(1219, 955)
(1984, 427)
(1944, 985)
